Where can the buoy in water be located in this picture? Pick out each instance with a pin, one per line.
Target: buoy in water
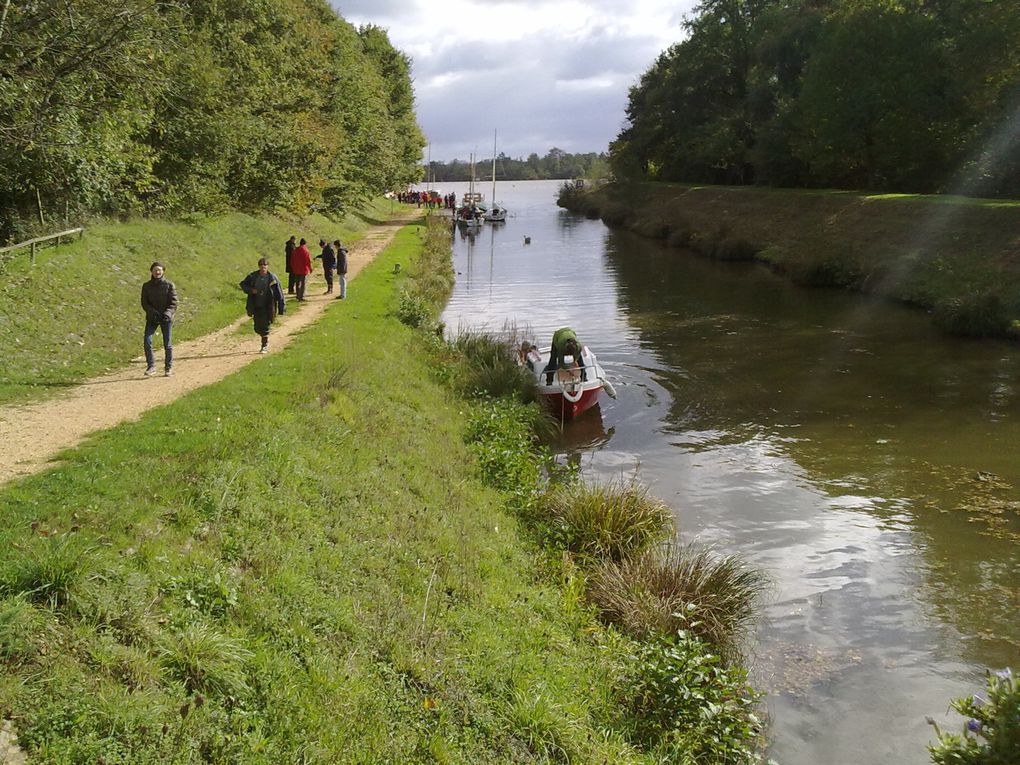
(527, 240)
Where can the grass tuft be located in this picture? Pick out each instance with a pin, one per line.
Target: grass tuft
(207, 661)
(612, 520)
(50, 571)
(680, 588)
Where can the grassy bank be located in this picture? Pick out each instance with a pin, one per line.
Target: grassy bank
(298, 564)
(957, 258)
(76, 313)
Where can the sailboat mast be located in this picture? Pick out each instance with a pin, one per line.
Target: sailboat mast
(492, 201)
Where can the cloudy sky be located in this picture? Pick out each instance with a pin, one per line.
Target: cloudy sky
(542, 73)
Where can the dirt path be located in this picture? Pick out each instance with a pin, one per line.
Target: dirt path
(33, 434)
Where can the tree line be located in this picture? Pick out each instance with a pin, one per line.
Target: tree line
(555, 164)
(887, 95)
(183, 106)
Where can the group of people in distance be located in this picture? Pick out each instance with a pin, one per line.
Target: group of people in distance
(265, 294)
(299, 265)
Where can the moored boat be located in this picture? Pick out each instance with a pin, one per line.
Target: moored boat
(572, 390)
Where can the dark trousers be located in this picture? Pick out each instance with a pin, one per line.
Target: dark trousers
(166, 327)
(329, 278)
(290, 283)
(263, 317)
(299, 285)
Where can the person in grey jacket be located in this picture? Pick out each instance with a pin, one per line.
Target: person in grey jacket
(159, 301)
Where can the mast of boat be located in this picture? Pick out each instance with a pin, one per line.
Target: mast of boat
(492, 201)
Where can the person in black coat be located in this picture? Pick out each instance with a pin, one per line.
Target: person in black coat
(265, 300)
(159, 301)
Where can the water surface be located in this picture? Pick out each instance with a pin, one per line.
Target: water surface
(865, 462)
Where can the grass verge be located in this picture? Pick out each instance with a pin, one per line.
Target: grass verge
(76, 313)
(297, 564)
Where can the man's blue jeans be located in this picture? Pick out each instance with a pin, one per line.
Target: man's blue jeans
(164, 326)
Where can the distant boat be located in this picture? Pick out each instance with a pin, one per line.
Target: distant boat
(471, 212)
(496, 213)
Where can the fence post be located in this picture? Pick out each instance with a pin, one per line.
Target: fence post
(33, 253)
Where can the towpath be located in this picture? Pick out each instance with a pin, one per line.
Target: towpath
(33, 434)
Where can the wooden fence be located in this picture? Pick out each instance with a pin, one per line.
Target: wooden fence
(33, 243)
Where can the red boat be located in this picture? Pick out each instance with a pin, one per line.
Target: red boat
(573, 389)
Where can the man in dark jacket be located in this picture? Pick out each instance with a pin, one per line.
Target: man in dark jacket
(265, 300)
(159, 301)
(328, 263)
(288, 249)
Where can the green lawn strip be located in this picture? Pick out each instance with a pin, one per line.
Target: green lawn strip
(76, 313)
(296, 564)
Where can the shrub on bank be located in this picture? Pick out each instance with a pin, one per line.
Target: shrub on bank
(991, 735)
(975, 314)
(684, 705)
(489, 365)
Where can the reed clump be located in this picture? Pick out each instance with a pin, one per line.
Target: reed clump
(604, 521)
(489, 364)
(680, 588)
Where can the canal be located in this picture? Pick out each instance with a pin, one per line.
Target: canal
(837, 442)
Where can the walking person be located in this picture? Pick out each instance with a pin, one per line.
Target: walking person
(265, 300)
(341, 268)
(300, 266)
(159, 301)
(328, 263)
(288, 249)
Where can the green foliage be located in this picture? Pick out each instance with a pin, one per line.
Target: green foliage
(611, 521)
(501, 433)
(205, 660)
(171, 107)
(991, 736)
(713, 597)
(489, 365)
(554, 165)
(684, 705)
(876, 94)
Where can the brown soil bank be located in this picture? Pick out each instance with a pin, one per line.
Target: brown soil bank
(958, 258)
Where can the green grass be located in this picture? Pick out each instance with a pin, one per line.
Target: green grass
(76, 313)
(297, 564)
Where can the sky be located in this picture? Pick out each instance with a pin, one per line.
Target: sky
(538, 73)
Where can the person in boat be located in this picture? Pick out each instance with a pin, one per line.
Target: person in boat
(564, 343)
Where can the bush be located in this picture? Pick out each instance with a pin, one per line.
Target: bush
(604, 520)
(975, 314)
(684, 705)
(501, 434)
(616, 215)
(490, 366)
(682, 589)
(413, 310)
(991, 735)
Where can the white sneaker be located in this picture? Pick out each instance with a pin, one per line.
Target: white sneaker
(264, 349)
(151, 371)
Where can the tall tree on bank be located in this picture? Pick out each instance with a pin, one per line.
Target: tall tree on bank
(904, 95)
(197, 105)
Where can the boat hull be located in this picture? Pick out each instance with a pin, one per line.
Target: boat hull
(571, 391)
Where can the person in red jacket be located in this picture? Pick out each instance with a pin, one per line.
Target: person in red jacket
(300, 266)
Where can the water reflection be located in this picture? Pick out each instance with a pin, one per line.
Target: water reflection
(841, 444)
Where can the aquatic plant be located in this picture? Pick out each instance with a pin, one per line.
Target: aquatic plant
(991, 735)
